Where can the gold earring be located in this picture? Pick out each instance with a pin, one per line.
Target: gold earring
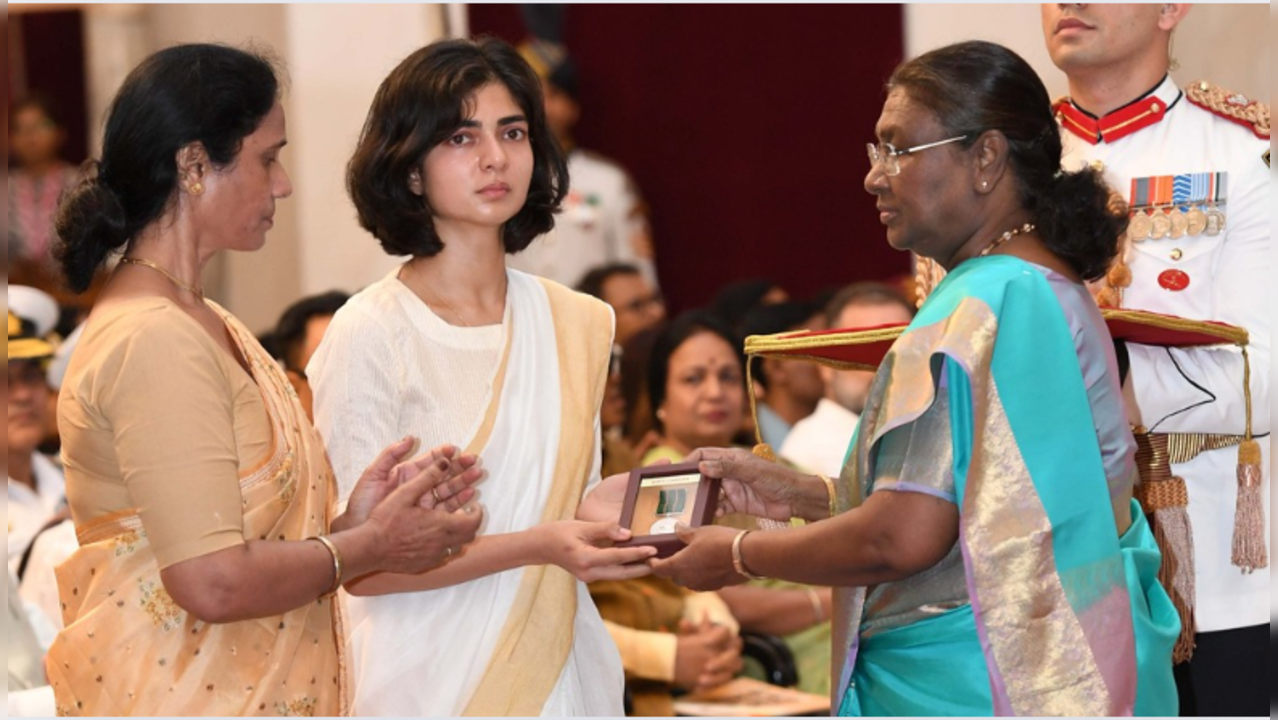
(195, 188)
(1173, 64)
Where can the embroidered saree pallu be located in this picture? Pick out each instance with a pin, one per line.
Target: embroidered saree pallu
(129, 649)
(1060, 612)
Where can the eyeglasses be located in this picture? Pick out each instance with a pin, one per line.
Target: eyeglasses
(887, 155)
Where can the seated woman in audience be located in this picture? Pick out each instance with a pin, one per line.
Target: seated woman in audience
(202, 498)
(456, 168)
(37, 178)
(988, 554)
(670, 639)
(696, 387)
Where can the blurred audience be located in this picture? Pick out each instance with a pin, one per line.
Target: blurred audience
(604, 219)
(734, 301)
(57, 540)
(37, 491)
(786, 390)
(637, 303)
(819, 442)
(696, 386)
(639, 428)
(296, 336)
(38, 176)
(670, 639)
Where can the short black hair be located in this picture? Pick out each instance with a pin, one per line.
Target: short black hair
(864, 293)
(290, 331)
(735, 300)
(418, 106)
(215, 95)
(773, 319)
(593, 281)
(668, 340)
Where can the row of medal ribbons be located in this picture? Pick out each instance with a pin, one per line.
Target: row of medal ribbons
(1173, 206)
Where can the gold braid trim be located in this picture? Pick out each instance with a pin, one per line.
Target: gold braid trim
(1217, 99)
(1227, 334)
(787, 344)
(1183, 447)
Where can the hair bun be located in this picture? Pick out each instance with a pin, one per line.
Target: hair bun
(90, 224)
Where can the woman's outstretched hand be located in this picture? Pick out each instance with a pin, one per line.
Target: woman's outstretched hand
(754, 486)
(585, 550)
(706, 562)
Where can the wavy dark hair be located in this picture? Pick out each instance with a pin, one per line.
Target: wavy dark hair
(424, 100)
(974, 87)
(214, 95)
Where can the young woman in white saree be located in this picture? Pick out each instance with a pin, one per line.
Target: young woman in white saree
(455, 168)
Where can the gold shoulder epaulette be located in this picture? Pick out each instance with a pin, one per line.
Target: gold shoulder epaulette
(1231, 106)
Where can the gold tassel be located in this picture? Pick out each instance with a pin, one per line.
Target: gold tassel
(1249, 522)
(1249, 514)
(764, 451)
(1175, 536)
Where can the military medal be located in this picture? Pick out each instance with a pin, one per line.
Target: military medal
(1179, 223)
(1160, 225)
(1215, 222)
(1138, 227)
(1197, 221)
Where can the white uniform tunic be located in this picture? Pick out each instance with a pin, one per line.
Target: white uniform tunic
(601, 222)
(1229, 274)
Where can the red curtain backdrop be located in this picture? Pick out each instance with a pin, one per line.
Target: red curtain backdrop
(745, 127)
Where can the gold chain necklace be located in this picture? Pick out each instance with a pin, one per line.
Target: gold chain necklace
(197, 292)
(448, 305)
(1026, 228)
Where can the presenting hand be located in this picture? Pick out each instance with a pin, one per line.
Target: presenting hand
(412, 538)
(706, 562)
(706, 655)
(754, 486)
(585, 550)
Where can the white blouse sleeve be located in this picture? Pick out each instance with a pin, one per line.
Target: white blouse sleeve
(354, 375)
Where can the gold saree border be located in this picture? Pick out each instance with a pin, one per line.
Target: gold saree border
(538, 635)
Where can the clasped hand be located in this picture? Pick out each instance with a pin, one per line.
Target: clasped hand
(420, 507)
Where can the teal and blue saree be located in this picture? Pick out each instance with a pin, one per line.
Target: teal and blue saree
(1060, 610)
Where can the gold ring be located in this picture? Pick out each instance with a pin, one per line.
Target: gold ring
(434, 492)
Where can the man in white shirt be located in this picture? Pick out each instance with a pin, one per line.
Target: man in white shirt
(819, 442)
(36, 487)
(1193, 164)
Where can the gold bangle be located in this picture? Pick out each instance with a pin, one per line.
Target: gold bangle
(337, 564)
(737, 563)
(818, 610)
(829, 487)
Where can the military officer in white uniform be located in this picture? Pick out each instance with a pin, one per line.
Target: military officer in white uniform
(604, 220)
(36, 486)
(1193, 163)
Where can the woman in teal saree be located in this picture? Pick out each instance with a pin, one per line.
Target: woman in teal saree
(986, 552)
